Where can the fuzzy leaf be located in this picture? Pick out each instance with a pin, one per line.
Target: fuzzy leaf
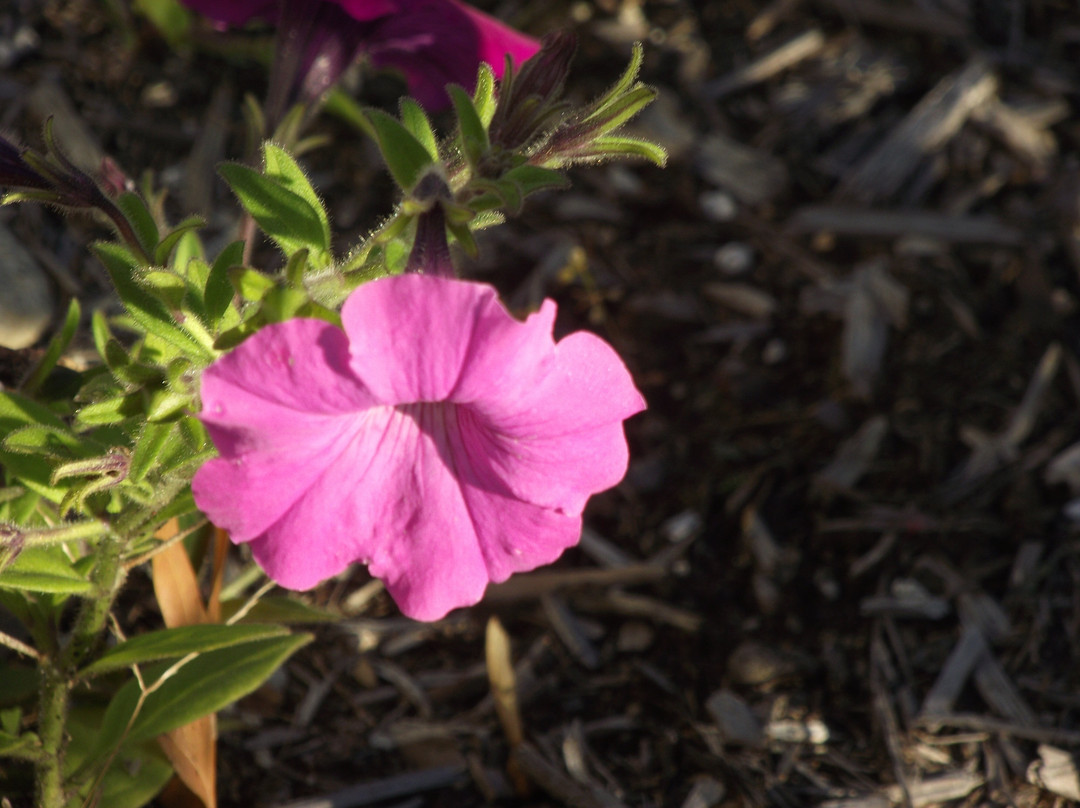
(405, 156)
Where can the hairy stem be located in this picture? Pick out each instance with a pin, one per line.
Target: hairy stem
(59, 668)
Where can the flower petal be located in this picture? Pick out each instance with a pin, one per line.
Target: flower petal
(559, 440)
(410, 336)
(284, 399)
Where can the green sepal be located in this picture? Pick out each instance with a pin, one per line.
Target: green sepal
(483, 99)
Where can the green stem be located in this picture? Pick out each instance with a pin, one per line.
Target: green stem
(58, 672)
(52, 712)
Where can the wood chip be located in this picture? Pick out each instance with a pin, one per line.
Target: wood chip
(734, 719)
(568, 628)
(965, 656)
(853, 456)
(804, 46)
(388, 788)
(924, 131)
(753, 176)
(894, 224)
(1055, 771)
(998, 690)
(920, 19)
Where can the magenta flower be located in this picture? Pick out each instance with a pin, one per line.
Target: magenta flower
(436, 439)
(432, 42)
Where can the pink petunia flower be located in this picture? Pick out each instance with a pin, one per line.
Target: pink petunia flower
(432, 42)
(436, 439)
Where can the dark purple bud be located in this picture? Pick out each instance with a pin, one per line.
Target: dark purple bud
(531, 102)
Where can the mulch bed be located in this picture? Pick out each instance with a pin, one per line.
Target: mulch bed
(843, 567)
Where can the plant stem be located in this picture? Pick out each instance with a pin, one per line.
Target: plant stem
(58, 672)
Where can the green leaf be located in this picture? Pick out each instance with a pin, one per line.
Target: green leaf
(250, 284)
(166, 286)
(148, 448)
(203, 686)
(141, 220)
(472, 134)
(43, 569)
(219, 289)
(144, 308)
(46, 441)
(171, 643)
(13, 743)
(135, 776)
(275, 609)
(109, 411)
(57, 346)
(416, 121)
(172, 238)
(484, 97)
(282, 167)
(286, 216)
(169, 17)
(32, 471)
(405, 156)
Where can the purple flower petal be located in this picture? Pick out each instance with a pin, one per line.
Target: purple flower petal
(438, 440)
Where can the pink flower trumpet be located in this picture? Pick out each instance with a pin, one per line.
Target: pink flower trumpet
(432, 42)
(436, 439)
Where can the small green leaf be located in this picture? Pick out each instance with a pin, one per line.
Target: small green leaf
(165, 248)
(405, 156)
(249, 283)
(144, 308)
(109, 411)
(46, 441)
(416, 121)
(286, 216)
(203, 686)
(219, 289)
(171, 643)
(622, 109)
(165, 285)
(531, 178)
(57, 346)
(141, 220)
(13, 743)
(282, 167)
(471, 132)
(148, 448)
(165, 404)
(43, 569)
